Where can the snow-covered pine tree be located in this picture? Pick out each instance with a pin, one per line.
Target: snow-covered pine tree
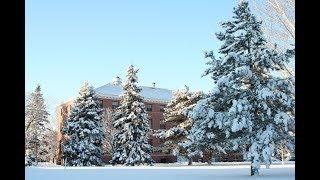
(249, 102)
(35, 125)
(130, 143)
(83, 130)
(208, 134)
(176, 114)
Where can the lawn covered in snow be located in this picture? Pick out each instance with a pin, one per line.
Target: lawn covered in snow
(160, 172)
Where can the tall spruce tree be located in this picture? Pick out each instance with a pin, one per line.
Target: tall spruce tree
(176, 114)
(36, 121)
(83, 130)
(249, 102)
(130, 143)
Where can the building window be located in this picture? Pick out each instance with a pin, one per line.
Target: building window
(149, 107)
(151, 123)
(163, 160)
(66, 109)
(69, 110)
(101, 103)
(162, 108)
(115, 104)
(162, 126)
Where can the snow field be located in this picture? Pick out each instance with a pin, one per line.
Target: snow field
(236, 172)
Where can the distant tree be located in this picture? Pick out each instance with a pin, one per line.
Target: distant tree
(130, 142)
(285, 148)
(175, 113)
(279, 21)
(84, 130)
(49, 145)
(35, 125)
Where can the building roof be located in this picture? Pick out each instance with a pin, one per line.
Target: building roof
(152, 94)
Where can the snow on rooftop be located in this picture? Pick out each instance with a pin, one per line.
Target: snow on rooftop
(148, 93)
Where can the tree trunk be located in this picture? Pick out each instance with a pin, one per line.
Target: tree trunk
(36, 158)
(251, 170)
(282, 157)
(209, 161)
(190, 161)
(209, 158)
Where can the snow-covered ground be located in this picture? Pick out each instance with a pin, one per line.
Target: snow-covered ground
(217, 163)
(160, 172)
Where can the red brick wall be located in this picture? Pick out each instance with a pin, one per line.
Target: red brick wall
(63, 112)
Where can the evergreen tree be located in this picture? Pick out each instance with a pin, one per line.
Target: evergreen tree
(83, 130)
(175, 113)
(35, 126)
(130, 143)
(208, 135)
(254, 108)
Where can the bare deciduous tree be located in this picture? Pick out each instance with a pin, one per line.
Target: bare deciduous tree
(50, 141)
(278, 18)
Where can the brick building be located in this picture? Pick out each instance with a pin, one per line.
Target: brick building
(155, 100)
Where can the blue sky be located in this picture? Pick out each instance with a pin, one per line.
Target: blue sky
(72, 41)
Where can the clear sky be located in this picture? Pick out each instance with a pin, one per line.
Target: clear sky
(72, 41)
